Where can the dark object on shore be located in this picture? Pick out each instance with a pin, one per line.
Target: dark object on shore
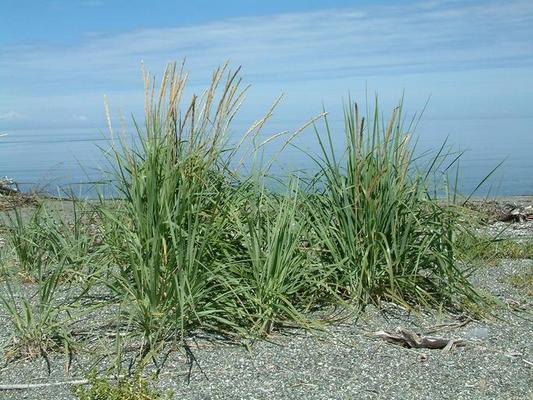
(516, 213)
(11, 196)
(406, 338)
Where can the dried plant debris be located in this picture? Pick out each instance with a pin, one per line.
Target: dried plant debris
(11, 196)
(407, 338)
(8, 187)
(503, 210)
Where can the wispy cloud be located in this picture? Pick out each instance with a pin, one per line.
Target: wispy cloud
(81, 118)
(337, 44)
(10, 116)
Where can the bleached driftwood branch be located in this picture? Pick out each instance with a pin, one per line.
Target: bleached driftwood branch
(405, 337)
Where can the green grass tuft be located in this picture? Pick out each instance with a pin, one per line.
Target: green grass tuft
(133, 388)
(523, 281)
(471, 246)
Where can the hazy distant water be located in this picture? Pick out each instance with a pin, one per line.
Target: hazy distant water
(58, 157)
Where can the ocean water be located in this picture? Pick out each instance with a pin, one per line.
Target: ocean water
(55, 159)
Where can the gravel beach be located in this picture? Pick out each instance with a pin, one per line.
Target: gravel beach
(346, 360)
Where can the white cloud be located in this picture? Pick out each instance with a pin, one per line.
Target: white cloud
(81, 118)
(10, 116)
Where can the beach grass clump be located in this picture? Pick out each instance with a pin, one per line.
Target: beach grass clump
(275, 277)
(376, 220)
(52, 251)
(190, 244)
(175, 185)
(43, 237)
(26, 239)
(40, 315)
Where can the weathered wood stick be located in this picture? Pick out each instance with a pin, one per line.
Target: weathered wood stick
(24, 386)
(407, 338)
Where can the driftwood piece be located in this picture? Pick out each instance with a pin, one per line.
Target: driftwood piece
(406, 338)
(24, 386)
(517, 214)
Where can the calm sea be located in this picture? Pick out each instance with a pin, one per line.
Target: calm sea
(56, 158)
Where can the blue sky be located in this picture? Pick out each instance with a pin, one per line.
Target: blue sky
(59, 57)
